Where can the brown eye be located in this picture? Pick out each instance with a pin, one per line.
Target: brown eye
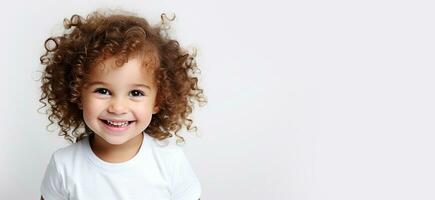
(137, 93)
(102, 91)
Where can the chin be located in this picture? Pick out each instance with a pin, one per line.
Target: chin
(115, 140)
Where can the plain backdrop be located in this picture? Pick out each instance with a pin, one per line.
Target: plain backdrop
(308, 100)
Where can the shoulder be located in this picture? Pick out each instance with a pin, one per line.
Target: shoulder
(184, 183)
(63, 160)
(167, 159)
(169, 156)
(68, 155)
(165, 149)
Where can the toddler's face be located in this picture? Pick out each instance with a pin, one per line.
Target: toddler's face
(118, 102)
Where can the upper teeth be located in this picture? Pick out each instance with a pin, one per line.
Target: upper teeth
(118, 123)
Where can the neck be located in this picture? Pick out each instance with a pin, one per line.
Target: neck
(115, 153)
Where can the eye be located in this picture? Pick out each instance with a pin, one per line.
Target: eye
(103, 91)
(137, 93)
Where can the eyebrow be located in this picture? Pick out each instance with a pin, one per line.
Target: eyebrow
(103, 83)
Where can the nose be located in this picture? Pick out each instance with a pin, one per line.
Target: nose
(118, 106)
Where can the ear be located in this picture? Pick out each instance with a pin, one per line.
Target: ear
(155, 109)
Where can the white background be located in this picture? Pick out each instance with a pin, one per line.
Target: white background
(308, 100)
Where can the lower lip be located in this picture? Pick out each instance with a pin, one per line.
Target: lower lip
(116, 130)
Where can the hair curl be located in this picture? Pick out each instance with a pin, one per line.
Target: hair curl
(87, 42)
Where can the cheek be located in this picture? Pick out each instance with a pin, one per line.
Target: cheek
(88, 114)
(143, 112)
(91, 109)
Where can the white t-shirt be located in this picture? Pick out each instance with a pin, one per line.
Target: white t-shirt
(156, 172)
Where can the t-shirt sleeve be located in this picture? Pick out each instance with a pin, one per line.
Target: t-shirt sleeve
(52, 187)
(185, 184)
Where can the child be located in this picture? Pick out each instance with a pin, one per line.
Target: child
(117, 87)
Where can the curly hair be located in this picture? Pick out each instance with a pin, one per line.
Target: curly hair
(89, 41)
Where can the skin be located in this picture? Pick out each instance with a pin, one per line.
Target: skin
(126, 93)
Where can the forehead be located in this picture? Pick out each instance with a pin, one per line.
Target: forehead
(137, 69)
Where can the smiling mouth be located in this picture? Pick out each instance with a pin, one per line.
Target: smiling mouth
(117, 123)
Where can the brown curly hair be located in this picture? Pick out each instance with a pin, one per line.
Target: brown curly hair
(88, 42)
